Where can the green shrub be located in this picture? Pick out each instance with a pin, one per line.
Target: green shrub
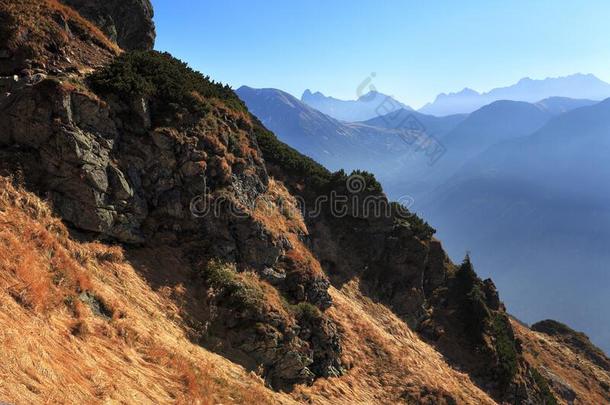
(473, 309)
(166, 81)
(340, 180)
(477, 313)
(225, 279)
(547, 395)
(420, 227)
(480, 320)
(305, 311)
(466, 276)
(504, 342)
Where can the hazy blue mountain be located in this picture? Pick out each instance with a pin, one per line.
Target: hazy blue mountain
(297, 124)
(333, 143)
(577, 86)
(376, 145)
(535, 213)
(559, 105)
(435, 126)
(496, 122)
(462, 102)
(499, 121)
(373, 104)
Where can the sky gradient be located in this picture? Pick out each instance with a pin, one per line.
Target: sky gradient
(416, 49)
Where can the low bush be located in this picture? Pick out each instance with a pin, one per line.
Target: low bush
(170, 84)
(420, 227)
(305, 312)
(473, 310)
(240, 292)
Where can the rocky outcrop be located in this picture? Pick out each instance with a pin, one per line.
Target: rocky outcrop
(70, 144)
(115, 168)
(289, 344)
(129, 23)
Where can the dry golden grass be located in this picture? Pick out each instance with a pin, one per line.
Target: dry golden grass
(585, 378)
(53, 349)
(388, 362)
(278, 211)
(76, 18)
(272, 300)
(37, 30)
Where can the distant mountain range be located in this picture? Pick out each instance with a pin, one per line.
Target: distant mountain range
(374, 146)
(494, 123)
(373, 104)
(577, 86)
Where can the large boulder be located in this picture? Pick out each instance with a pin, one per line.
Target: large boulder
(129, 23)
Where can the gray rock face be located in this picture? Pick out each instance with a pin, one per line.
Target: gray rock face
(393, 265)
(560, 386)
(492, 299)
(129, 23)
(114, 176)
(109, 172)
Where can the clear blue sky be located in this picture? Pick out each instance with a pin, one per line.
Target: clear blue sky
(416, 48)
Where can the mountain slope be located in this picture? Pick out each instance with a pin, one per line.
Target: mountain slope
(542, 349)
(144, 353)
(379, 145)
(325, 301)
(370, 105)
(435, 126)
(560, 105)
(27, 27)
(496, 122)
(577, 86)
(135, 153)
(334, 144)
(306, 129)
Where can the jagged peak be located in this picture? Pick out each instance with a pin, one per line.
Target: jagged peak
(466, 91)
(370, 95)
(308, 94)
